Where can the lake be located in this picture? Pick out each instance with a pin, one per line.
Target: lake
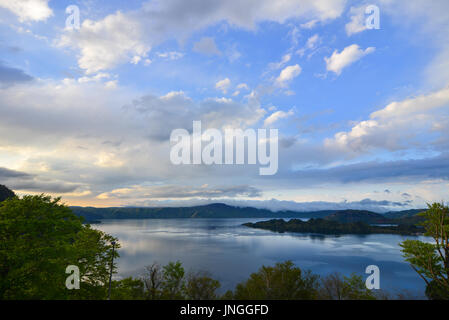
(231, 252)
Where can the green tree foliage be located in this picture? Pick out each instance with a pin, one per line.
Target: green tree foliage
(128, 289)
(431, 260)
(171, 282)
(338, 287)
(39, 238)
(284, 281)
(200, 286)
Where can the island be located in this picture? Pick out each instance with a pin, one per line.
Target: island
(326, 226)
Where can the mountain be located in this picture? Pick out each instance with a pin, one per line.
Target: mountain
(351, 216)
(216, 210)
(5, 193)
(403, 214)
(220, 210)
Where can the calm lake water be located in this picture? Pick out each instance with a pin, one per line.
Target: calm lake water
(231, 252)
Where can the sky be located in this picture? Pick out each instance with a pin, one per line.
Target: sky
(362, 114)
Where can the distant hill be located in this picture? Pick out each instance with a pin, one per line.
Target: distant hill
(351, 216)
(217, 210)
(5, 193)
(220, 210)
(403, 214)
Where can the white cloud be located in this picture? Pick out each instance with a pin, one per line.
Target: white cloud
(172, 55)
(399, 125)
(243, 86)
(311, 44)
(240, 87)
(287, 75)
(418, 104)
(106, 43)
(136, 60)
(93, 138)
(310, 24)
(98, 77)
(28, 10)
(207, 46)
(119, 37)
(357, 23)
(278, 115)
(340, 60)
(175, 15)
(223, 85)
(277, 65)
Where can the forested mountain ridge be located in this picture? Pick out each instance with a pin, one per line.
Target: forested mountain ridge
(221, 211)
(350, 216)
(5, 193)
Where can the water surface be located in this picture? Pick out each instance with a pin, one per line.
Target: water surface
(231, 252)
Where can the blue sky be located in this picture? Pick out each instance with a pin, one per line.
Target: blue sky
(362, 113)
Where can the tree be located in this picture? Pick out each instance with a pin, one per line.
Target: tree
(200, 286)
(284, 281)
(128, 289)
(338, 287)
(431, 260)
(153, 279)
(434, 291)
(173, 285)
(39, 238)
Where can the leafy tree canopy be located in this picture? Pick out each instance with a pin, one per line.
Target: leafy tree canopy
(431, 260)
(39, 238)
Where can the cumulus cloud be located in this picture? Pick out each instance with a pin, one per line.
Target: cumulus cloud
(357, 21)
(176, 110)
(287, 75)
(76, 137)
(223, 85)
(120, 37)
(340, 60)
(106, 43)
(28, 10)
(207, 46)
(395, 126)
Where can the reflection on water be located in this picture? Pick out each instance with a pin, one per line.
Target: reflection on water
(230, 251)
